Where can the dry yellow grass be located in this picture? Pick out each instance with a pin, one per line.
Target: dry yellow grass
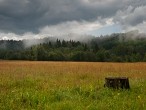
(26, 68)
(68, 73)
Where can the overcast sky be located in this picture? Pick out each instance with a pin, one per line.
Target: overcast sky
(35, 18)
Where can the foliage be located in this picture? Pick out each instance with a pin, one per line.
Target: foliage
(113, 48)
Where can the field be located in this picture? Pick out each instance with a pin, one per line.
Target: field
(70, 86)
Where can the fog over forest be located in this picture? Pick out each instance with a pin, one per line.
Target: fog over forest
(119, 47)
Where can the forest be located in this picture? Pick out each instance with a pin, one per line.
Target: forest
(118, 47)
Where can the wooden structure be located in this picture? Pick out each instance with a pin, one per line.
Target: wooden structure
(117, 82)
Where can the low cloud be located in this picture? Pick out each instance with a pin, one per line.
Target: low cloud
(70, 27)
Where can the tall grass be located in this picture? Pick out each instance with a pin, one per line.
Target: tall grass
(70, 86)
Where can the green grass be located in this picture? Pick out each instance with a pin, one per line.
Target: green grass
(66, 91)
(28, 94)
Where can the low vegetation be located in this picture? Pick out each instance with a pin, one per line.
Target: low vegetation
(70, 86)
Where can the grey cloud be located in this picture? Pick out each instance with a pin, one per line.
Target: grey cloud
(137, 16)
(20, 16)
(133, 17)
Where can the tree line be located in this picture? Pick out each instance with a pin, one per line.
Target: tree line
(112, 48)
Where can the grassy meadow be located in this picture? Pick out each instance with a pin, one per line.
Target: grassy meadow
(28, 85)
